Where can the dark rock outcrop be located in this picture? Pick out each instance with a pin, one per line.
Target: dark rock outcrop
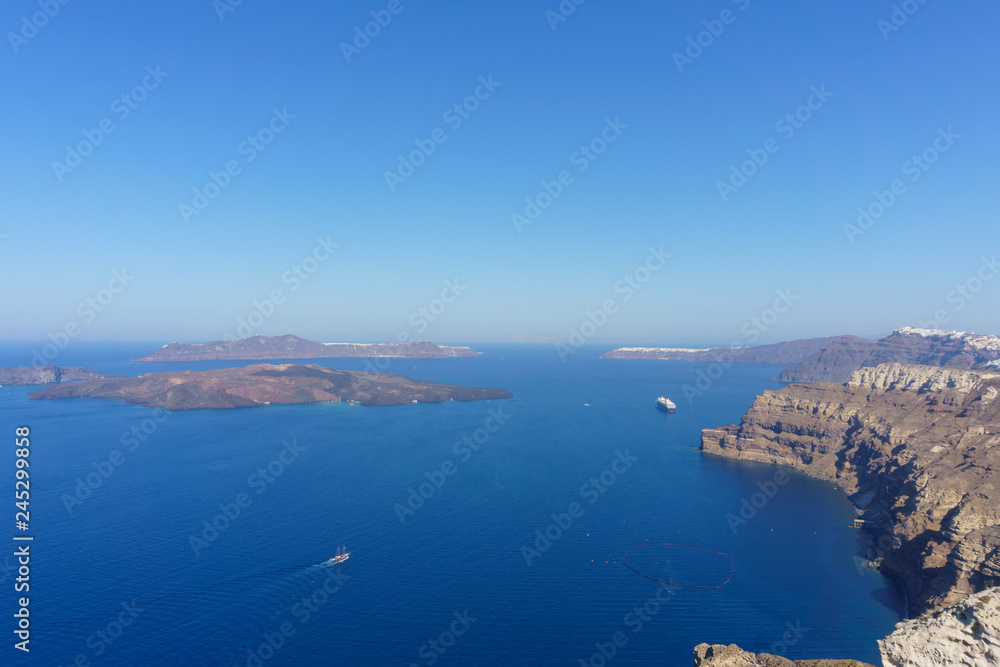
(22, 375)
(261, 384)
(918, 449)
(293, 347)
(720, 655)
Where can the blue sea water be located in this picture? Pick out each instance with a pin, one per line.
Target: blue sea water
(580, 440)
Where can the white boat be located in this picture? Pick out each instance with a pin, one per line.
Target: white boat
(342, 555)
(666, 404)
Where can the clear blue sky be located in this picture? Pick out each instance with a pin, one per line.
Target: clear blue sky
(324, 173)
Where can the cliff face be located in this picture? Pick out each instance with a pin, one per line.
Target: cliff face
(22, 375)
(719, 655)
(293, 347)
(916, 446)
(930, 347)
(965, 635)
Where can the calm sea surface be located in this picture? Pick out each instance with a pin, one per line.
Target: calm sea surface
(582, 456)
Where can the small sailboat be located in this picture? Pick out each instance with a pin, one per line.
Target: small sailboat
(342, 555)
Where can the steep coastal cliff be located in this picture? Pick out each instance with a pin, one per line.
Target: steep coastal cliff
(917, 449)
(929, 347)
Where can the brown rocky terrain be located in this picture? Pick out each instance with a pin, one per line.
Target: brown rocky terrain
(720, 655)
(293, 347)
(261, 384)
(22, 375)
(917, 449)
(966, 634)
(930, 347)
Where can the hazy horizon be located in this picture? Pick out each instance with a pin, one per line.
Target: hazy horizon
(344, 180)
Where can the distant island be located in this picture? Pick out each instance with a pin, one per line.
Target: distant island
(834, 359)
(260, 384)
(293, 347)
(788, 352)
(24, 375)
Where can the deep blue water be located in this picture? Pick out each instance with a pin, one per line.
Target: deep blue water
(795, 588)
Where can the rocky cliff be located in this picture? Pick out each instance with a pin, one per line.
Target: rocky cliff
(22, 375)
(719, 655)
(930, 347)
(917, 449)
(293, 347)
(964, 635)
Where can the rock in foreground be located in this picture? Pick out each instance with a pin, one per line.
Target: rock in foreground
(265, 383)
(293, 347)
(719, 655)
(965, 635)
(916, 446)
(22, 375)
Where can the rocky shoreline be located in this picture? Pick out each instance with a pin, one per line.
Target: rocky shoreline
(915, 447)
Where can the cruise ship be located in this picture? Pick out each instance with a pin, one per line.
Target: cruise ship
(342, 555)
(666, 404)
